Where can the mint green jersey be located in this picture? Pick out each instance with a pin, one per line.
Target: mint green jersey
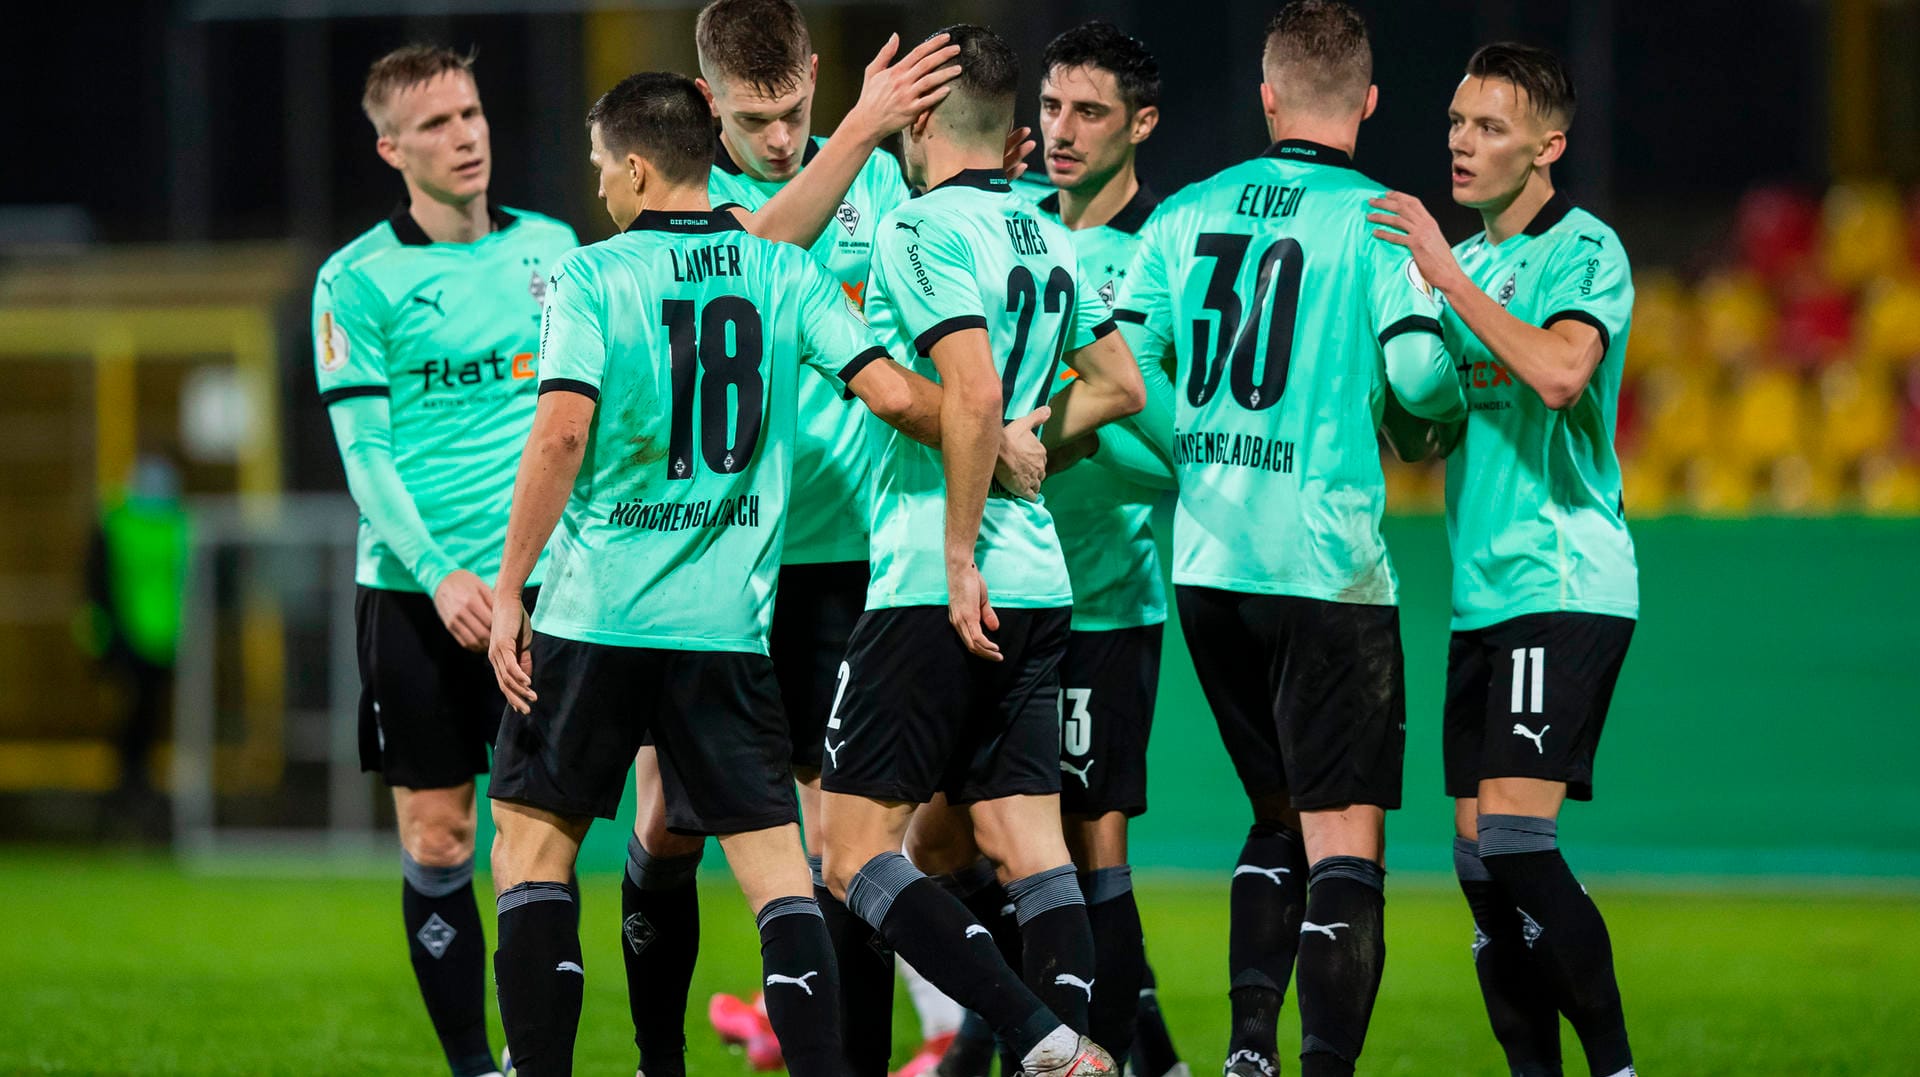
(971, 254)
(1265, 283)
(690, 334)
(447, 332)
(1534, 511)
(828, 518)
(1105, 521)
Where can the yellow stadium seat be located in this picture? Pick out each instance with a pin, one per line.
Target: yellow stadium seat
(1857, 415)
(1768, 420)
(1887, 327)
(1863, 234)
(1646, 486)
(1799, 486)
(1735, 316)
(1677, 408)
(1719, 487)
(1890, 486)
(1663, 322)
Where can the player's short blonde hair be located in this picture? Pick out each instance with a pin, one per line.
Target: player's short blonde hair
(1318, 57)
(405, 67)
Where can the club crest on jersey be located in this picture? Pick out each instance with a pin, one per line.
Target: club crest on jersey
(848, 217)
(332, 343)
(1507, 289)
(1107, 294)
(537, 286)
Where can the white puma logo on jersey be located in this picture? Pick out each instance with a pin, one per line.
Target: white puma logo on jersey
(570, 966)
(1271, 873)
(797, 981)
(1078, 772)
(833, 752)
(1068, 979)
(1522, 731)
(976, 929)
(1324, 929)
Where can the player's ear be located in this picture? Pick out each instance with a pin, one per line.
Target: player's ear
(706, 91)
(389, 151)
(1373, 102)
(1551, 149)
(918, 128)
(1144, 121)
(813, 70)
(1268, 103)
(637, 172)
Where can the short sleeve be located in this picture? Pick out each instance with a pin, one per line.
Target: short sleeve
(573, 345)
(928, 268)
(1145, 303)
(1091, 318)
(835, 338)
(1590, 282)
(1398, 296)
(349, 338)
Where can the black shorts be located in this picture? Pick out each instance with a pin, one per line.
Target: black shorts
(1310, 695)
(1107, 686)
(813, 616)
(714, 717)
(1526, 699)
(429, 708)
(921, 715)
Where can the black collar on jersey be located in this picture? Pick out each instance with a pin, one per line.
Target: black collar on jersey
(411, 234)
(1313, 153)
(1131, 216)
(986, 179)
(723, 161)
(1555, 210)
(685, 220)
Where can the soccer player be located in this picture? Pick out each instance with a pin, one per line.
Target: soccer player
(662, 447)
(1545, 586)
(951, 676)
(1290, 326)
(425, 330)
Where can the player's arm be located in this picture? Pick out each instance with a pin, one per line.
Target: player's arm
(548, 467)
(890, 97)
(352, 365)
(971, 399)
(1138, 448)
(1108, 386)
(1556, 361)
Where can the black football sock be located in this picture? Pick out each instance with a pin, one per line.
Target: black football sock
(1056, 942)
(1343, 949)
(929, 927)
(539, 976)
(1519, 1000)
(1153, 1052)
(802, 986)
(866, 982)
(449, 953)
(1267, 899)
(978, 888)
(659, 941)
(1119, 957)
(1563, 930)
(971, 1052)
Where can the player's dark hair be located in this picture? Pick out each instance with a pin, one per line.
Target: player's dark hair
(762, 43)
(1099, 44)
(1317, 54)
(1534, 71)
(406, 67)
(662, 117)
(982, 98)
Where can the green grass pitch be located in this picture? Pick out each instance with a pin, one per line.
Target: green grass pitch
(117, 965)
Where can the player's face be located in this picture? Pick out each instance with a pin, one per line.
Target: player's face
(1496, 141)
(437, 136)
(616, 180)
(769, 134)
(1087, 131)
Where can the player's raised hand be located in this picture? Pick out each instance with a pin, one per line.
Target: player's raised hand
(465, 605)
(1019, 144)
(507, 649)
(1022, 464)
(969, 611)
(1405, 222)
(893, 94)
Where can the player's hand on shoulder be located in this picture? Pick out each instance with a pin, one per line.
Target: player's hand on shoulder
(970, 612)
(507, 650)
(1014, 163)
(1403, 221)
(465, 605)
(1022, 464)
(893, 94)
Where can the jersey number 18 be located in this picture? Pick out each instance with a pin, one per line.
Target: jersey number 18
(698, 347)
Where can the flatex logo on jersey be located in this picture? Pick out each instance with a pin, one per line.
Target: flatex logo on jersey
(1486, 375)
(443, 376)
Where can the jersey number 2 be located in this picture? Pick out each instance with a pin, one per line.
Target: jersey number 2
(1232, 344)
(718, 350)
(1024, 300)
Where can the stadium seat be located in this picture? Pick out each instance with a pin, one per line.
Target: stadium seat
(1887, 330)
(1663, 322)
(1816, 320)
(1768, 420)
(1863, 234)
(1774, 229)
(1718, 487)
(1736, 316)
(1890, 486)
(1858, 414)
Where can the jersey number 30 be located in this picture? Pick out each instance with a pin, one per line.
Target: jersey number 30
(720, 351)
(1232, 344)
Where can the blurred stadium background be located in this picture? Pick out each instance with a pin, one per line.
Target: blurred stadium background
(178, 171)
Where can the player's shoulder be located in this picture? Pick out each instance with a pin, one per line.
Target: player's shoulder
(1578, 236)
(881, 169)
(540, 228)
(367, 245)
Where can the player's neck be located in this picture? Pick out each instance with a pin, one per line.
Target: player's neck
(1505, 222)
(677, 200)
(1341, 135)
(946, 160)
(449, 222)
(1091, 209)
